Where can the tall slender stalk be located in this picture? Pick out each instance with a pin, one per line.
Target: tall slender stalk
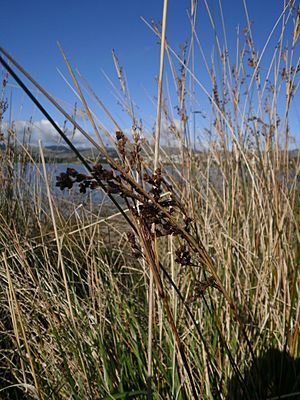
(156, 164)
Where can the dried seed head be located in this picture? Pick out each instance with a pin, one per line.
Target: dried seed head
(72, 172)
(64, 181)
(135, 248)
(183, 256)
(121, 139)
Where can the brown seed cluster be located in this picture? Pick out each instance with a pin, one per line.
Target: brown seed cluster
(135, 248)
(67, 179)
(111, 182)
(183, 256)
(148, 209)
(136, 158)
(121, 144)
(201, 287)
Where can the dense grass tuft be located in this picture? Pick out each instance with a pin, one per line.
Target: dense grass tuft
(214, 221)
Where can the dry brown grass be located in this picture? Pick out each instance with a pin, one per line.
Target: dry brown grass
(217, 230)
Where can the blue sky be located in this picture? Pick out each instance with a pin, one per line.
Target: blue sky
(89, 30)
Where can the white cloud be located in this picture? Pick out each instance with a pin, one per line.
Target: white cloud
(31, 132)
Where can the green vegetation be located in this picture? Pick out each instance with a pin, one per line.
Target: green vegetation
(216, 237)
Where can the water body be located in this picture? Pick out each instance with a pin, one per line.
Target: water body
(95, 196)
(33, 182)
(29, 180)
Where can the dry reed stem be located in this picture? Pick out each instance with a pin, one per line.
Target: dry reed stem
(156, 163)
(57, 239)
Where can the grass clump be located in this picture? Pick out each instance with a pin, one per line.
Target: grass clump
(212, 226)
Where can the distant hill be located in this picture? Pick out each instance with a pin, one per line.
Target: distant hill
(62, 154)
(58, 148)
